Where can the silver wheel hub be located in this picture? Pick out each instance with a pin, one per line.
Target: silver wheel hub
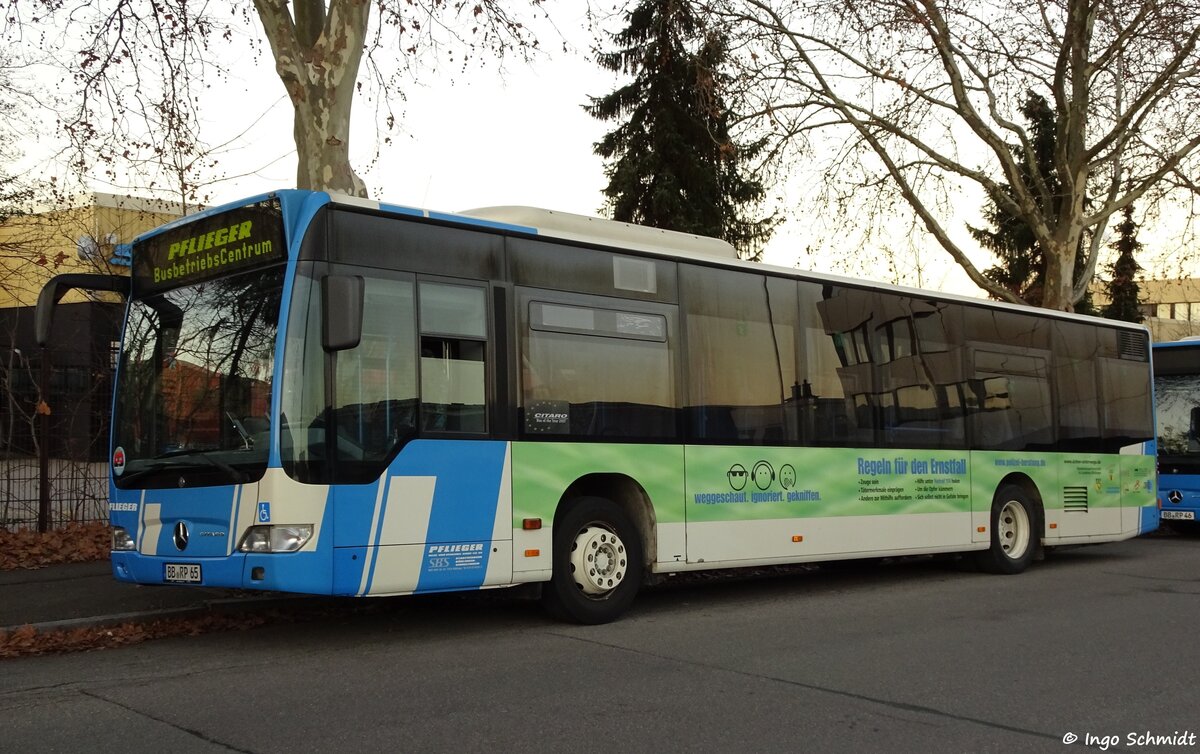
(1013, 529)
(598, 560)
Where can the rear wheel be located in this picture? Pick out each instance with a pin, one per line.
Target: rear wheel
(1015, 520)
(597, 563)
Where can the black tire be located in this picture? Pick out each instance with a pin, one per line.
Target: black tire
(1016, 532)
(597, 563)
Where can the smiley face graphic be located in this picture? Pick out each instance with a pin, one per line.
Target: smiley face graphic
(737, 477)
(763, 474)
(787, 476)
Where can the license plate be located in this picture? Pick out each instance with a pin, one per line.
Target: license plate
(182, 573)
(1180, 515)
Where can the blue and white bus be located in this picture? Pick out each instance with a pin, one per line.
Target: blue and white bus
(1177, 405)
(337, 396)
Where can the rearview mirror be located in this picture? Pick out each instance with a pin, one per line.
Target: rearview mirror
(342, 305)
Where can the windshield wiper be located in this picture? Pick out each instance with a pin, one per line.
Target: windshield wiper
(184, 452)
(238, 476)
(247, 440)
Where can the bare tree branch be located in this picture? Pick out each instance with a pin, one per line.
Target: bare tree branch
(931, 91)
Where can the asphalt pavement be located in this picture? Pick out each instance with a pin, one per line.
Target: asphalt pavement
(79, 595)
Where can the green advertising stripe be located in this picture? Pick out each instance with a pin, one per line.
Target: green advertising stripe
(728, 484)
(542, 472)
(710, 483)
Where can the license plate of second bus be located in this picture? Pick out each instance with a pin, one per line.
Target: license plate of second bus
(182, 573)
(1180, 515)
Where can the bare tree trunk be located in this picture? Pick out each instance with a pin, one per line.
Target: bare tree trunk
(1059, 277)
(322, 126)
(317, 56)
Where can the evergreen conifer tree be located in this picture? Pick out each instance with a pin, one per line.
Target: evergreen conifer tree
(1123, 287)
(670, 160)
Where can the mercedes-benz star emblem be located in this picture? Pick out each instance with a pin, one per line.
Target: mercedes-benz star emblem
(181, 536)
(1175, 496)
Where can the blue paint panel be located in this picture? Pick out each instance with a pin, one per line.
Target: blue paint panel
(1183, 487)
(463, 517)
(302, 572)
(457, 565)
(206, 511)
(348, 565)
(123, 508)
(399, 209)
(353, 507)
(1149, 520)
(127, 520)
(1186, 484)
(468, 486)
(376, 533)
(481, 223)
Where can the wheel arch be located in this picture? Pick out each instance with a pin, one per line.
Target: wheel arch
(1030, 488)
(626, 493)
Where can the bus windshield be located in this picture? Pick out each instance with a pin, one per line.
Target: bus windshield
(1176, 387)
(194, 385)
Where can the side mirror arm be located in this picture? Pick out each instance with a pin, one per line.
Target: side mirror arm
(58, 286)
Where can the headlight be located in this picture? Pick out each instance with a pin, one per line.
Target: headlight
(280, 538)
(121, 541)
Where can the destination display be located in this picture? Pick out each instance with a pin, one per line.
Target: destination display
(219, 245)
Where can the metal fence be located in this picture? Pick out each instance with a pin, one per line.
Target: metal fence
(78, 492)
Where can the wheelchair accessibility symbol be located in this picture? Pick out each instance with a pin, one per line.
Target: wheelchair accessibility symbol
(264, 513)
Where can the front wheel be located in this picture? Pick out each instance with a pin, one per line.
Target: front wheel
(1014, 532)
(597, 563)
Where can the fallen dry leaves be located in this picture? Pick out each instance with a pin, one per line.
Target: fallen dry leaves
(27, 640)
(74, 543)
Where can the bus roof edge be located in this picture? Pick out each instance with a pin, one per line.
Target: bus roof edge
(572, 227)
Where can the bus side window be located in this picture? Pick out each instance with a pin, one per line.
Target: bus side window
(598, 372)
(453, 360)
